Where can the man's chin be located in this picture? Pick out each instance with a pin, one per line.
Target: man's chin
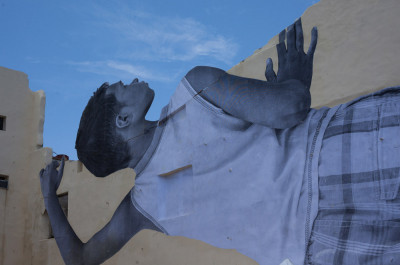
(152, 93)
(150, 101)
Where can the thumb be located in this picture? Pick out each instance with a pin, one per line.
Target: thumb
(269, 71)
(60, 172)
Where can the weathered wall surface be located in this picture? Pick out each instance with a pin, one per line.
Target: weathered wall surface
(357, 50)
(21, 158)
(356, 54)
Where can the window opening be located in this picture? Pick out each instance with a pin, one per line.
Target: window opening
(2, 123)
(4, 181)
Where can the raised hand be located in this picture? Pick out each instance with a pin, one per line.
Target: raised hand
(50, 178)
(293, 63)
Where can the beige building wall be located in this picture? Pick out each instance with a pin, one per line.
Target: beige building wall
(357, 51)
(356, 54)
(21, 158)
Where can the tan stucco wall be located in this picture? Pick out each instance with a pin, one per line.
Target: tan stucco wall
(356, 54)
(21, 158)
(357, 50)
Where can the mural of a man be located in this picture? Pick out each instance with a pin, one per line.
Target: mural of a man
(245, 164)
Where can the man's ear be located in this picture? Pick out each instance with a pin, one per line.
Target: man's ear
(122, 120)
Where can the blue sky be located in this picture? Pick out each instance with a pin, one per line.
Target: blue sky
(69, 48)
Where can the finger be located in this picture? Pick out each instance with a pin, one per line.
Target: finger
(299, 36)
(54, 164)
(281, 49)
(60, 172)
(269, 71)
(291, 39)
(313, 44)
(282, 36)
(61, 169)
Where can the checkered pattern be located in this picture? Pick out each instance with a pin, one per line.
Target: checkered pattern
(358, 220)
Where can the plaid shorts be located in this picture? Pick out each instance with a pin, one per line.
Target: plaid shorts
(358, 219)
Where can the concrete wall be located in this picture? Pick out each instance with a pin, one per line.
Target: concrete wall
(21, 158)
(357, 50)
(356, 54)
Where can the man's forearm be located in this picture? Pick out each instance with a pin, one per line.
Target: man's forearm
(276, 105)
(68, 242)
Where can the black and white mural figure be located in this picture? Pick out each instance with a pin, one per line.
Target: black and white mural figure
(245, 164)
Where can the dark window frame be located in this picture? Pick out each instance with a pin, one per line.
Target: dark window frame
(4, 181)
(3, 120)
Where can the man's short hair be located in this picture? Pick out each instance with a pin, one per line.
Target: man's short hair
(98, 145)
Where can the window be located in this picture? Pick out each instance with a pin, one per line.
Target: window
(4, 181)
(2, 123)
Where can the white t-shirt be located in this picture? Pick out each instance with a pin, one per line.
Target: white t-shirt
(230, 183)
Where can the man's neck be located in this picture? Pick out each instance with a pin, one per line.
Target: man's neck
(139, 144)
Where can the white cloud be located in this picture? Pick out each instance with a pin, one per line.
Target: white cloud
(31, 59)
(119, 70)
(157, 38)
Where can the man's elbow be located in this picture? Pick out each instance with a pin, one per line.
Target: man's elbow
(293, 119)
(295, 111)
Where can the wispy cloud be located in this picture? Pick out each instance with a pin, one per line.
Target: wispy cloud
(161, 38)
(120, 70)
(31, 59)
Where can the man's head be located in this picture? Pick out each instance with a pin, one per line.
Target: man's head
(113, 115)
